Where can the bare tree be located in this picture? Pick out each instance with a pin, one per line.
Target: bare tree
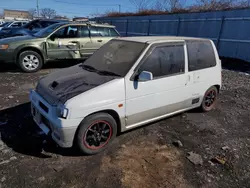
(241, 3)
(216, 4)
(158, 6)
(48, 13)
(169, 5)
(141, 4)
(32, 13)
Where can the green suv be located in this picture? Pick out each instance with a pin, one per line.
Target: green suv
(56, 42)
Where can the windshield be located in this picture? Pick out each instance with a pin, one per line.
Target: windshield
(5, 24)
(29, 24)
(46, 31)
(116, 57)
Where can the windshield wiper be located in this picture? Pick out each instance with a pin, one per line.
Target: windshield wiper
(108, 73)
(92, 69)
(88, 68)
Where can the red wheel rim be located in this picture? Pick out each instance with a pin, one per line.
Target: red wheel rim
(210, 99)
(97, 135)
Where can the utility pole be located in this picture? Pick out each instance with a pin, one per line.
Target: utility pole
(37, 7)
(119, 8)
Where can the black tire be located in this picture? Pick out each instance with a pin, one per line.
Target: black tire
(209, 99)
(36, 63)
(87, 139)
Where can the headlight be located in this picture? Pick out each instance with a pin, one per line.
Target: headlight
(4, 46)
(62, 111)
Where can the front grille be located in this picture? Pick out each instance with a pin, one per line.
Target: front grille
(45, 108)
(33, 110)
(45, 121)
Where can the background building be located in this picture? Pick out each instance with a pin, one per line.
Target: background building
(16, 14)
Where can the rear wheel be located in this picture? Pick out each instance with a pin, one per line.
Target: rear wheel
(96, 132)
(210, 99)
(30, 61)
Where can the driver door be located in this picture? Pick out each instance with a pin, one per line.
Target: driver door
(169, 90)
(64, 43)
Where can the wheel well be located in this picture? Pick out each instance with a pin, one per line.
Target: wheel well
(30, 49)
(114, 114)
(217, 87)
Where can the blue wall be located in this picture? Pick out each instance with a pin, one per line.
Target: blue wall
(230, 30)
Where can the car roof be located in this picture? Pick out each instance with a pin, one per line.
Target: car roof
(51, 20)
(154, 39)
(20, 21)
(84, 24)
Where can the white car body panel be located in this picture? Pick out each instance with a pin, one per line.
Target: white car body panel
(105, 97)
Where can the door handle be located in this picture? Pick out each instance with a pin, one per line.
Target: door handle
(188, 79)
(72, 43)
(99, 40)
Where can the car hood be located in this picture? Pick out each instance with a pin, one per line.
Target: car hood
(9, 32)
(65, 84)
(16, 39)
(12, 30)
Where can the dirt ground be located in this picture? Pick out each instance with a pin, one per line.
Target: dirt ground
(145, 157)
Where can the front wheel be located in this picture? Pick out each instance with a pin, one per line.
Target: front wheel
(95, 133)
(210, 99)
(30, 61)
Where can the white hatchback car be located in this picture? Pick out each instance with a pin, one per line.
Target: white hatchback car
(127, 83)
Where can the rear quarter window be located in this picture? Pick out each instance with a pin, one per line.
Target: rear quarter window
(113, 32)
(200, 55)
(103, 32)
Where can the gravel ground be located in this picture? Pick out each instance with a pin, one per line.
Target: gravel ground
(210, 149)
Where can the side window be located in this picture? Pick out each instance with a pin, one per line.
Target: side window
(60, 33)
(104, 32)
(165, 61)
(67, 32)
(113, 33)
(84, 31)
(94, 32)
(107, 32)
(72, 32)
(46, 23)
(16, 24)
(200, 55)
(35, 25)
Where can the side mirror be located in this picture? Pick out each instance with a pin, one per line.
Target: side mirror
(145, 76)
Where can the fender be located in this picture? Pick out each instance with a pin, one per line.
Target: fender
(38, 48)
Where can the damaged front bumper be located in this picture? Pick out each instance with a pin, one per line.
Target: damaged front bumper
(45, 116)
